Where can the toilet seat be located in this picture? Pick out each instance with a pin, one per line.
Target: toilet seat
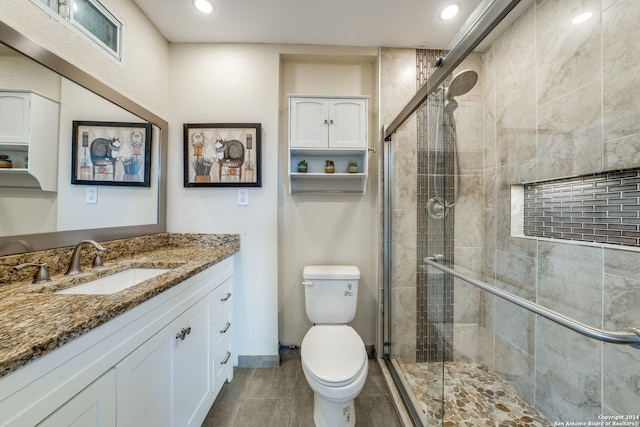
(333, 355)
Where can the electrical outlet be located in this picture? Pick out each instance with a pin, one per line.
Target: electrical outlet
(92, 195)
(243, 197)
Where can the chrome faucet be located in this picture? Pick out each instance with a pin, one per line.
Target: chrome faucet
(74, 264)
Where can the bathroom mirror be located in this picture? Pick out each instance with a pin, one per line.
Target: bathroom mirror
(34, 219)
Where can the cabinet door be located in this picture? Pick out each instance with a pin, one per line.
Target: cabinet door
(144, 383)
(348, 123)
(14, 117)
(191, 376)
(93, 406)
(308, 123)
(166, 381)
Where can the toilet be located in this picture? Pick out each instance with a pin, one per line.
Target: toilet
(334, 359)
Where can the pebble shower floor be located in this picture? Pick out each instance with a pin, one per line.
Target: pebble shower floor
(473, 396)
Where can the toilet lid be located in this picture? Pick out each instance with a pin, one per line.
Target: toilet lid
(333, 354)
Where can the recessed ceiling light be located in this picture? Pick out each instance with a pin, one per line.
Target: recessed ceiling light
(449, 11)
(582, 17)
(204, 6)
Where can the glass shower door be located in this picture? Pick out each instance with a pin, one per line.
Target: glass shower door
(417, 326)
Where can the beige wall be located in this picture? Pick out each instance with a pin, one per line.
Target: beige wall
(328, 228)
(280, 233)
(232, 84)
(144, 74)
(236, 83)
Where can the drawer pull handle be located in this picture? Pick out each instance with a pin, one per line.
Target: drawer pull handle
(226, 328)
(226, 358)
(183, 333)
(226, 298)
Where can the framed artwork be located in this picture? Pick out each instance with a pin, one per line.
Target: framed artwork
(222, 155)
(111, 153)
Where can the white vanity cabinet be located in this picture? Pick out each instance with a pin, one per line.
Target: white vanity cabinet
(168, 378)
(334, 129)
(221, 331)
(159, 364)
(94, 406)
(29, 126)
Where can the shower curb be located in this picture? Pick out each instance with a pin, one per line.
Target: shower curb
(398, 403)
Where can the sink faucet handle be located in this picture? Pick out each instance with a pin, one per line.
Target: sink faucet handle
(42, 274)
(97, 261)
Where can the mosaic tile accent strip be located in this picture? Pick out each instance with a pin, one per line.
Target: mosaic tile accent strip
(434, 303)
(601, 208)
(473, 396)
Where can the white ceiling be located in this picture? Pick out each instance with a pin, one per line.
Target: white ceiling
(368, 23)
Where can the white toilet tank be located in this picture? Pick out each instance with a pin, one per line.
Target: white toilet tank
(331, 293)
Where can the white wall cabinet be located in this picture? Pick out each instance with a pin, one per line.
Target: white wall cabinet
(161, 363)
(321, 129)
(29, 126)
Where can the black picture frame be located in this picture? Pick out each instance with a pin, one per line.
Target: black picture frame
(222, 155)
(111, 153)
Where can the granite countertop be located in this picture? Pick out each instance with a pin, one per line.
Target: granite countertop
(36, 321)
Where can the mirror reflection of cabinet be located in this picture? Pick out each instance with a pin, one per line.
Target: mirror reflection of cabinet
(33, 219)
(29, 130)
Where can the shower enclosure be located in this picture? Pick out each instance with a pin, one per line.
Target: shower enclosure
(511, 220)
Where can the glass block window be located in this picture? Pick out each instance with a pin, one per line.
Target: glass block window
(601, 208)
(92, 19)
(91, 16)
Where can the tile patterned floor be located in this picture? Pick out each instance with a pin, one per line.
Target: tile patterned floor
(474, 396)
(280, 397)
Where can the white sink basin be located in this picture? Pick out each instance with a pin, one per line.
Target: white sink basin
(115, 282)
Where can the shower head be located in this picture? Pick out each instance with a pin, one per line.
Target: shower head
(462, 83)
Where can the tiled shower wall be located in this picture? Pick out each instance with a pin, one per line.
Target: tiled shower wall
(413, 326)
(560, 100)
(397, 86)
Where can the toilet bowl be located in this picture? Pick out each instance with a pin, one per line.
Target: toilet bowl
(335, 364)
(334, 359)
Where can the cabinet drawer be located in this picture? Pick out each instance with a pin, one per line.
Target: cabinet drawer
(222, 329)
(223, 367)
(222, 297)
